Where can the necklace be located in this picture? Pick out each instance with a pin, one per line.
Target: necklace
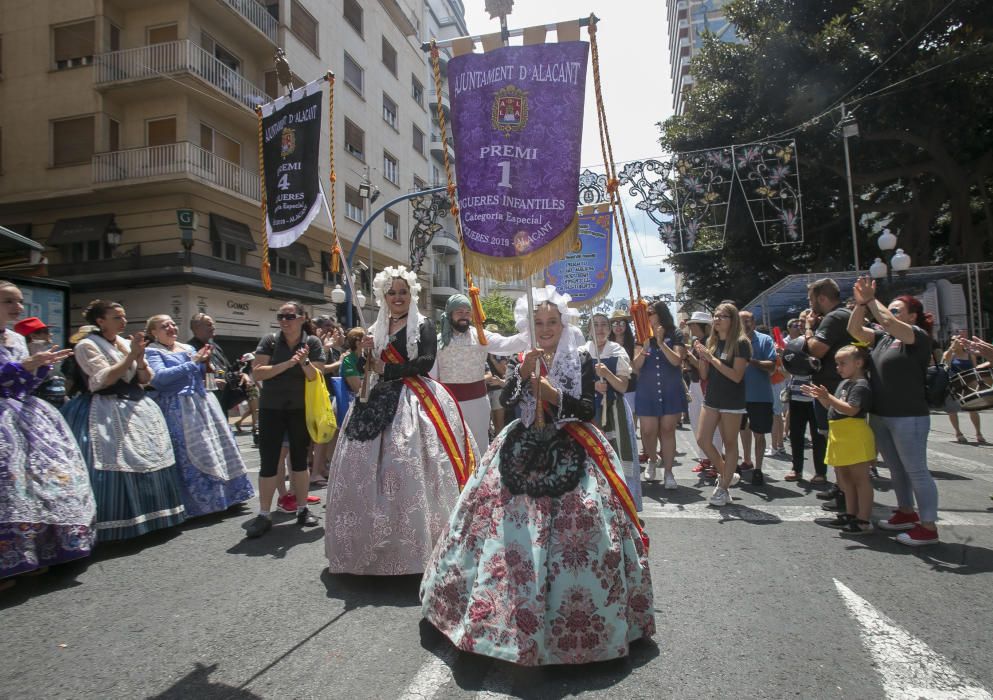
(398, 318)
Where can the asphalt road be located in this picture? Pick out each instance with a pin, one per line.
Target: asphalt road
(756, 600)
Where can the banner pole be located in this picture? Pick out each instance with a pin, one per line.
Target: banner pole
(344, 264)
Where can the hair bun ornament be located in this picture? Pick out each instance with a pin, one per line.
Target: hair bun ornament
(544, 295)
(385, 278)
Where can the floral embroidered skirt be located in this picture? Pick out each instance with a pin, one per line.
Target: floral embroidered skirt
(538, 581)
(46, 504)
(389, 497)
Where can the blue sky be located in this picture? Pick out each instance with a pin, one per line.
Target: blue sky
(634, 72)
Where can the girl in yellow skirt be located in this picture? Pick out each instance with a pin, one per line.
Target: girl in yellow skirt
(851, 446)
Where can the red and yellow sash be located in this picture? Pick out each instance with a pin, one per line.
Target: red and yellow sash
(462, 467)
(591, 440)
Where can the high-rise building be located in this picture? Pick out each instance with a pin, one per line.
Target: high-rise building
(115, 114)
(688, 21)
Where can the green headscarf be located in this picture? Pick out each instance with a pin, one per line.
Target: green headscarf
(456, 301)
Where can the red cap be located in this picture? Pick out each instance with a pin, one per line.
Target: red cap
(30, 325)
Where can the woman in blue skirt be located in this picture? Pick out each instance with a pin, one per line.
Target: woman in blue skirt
(212, 474)
(121, 432)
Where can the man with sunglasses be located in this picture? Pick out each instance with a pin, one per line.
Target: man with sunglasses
(823, 341)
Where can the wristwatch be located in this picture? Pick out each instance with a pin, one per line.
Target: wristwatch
(306, 360)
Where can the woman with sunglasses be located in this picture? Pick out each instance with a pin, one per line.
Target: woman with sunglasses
(284, 361)
(722, 363)
(901, 417)
(403, 451)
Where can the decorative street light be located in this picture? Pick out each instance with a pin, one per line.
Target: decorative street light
(337, 295)
(113, 235)
(895, 261)
(849, 128)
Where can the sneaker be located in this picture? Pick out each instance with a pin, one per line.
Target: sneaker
(900, 521)
(669, 482)
(313, 499)
(651, 472)
(701, 466)
(304, 517)
(828, 495)
(287, 503)
(769, 452)
(781, 453)
(710, 473)
(720, 497)
(840, 521)
(258, 527)
(758, 478)
(918, 536)
(837, 505)
(735, 478)
(859, 527)
(745, 466)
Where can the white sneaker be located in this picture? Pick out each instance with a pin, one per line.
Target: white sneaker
(669, 482)
(720, 497)
(651, 472)
(735, 478)
(769, 452)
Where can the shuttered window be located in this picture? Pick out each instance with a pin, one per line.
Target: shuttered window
(303, 25)
(72, 141)
(73, 44)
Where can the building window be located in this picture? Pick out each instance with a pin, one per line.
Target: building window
(354, 74)
(115, 38)
(114, 135)
(303, 25)
(284, 266)
(419, 184)
(354, 208)
(390, 115)
(86, 251)
(162, 35)
(391, 168)
(228, 251)
(392, 223)
(272, 6)
(418, 140)
(217, 143)
(417, 90)
(354, 140)
(211, 46)
(73, 44)
(160, 132)
(353, 15)
(389, 57)
(72, 141)
(435, 175)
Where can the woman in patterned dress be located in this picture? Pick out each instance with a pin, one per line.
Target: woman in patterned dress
(543, 561)
(212, 473)
(402, 454)
(46, 505)
(121, 431)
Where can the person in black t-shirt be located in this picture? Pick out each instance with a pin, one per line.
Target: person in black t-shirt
(901, 417)
(823, 341)
(722, 363)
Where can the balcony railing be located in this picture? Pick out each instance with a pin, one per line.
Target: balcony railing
(258, 15)
(177, 57)
(182, 159)
(446, 281)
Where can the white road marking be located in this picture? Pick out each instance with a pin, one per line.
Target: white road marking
(909, 667)
(432, 676)
(938, 459)
(767, 512)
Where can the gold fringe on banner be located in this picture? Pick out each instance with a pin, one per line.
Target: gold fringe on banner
(522, 267)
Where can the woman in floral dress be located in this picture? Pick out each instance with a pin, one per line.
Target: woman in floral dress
(543, 560)
(212, 473)
(46, 505)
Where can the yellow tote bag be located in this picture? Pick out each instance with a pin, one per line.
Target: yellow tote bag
(321, 422)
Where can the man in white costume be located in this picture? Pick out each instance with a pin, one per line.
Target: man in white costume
(461, 364)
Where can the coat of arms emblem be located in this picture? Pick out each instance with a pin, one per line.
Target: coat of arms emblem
(510, 110)
(288, 142)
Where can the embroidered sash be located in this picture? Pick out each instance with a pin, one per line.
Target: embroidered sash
(420, 388)
(587, 436)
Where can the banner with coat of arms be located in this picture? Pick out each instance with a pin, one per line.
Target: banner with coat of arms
(291, 147)
(517, 119)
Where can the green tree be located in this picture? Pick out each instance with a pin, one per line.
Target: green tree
(919, 74)
(499, 309)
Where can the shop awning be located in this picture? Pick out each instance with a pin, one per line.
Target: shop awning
(297, 252)
(11, 240)
(77, 230)
(230, 231)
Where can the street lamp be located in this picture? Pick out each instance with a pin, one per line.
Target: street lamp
(113, 235)
(895, 261)
(337, 295)
(849, 128)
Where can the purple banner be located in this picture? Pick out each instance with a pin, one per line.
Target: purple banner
(517, 118)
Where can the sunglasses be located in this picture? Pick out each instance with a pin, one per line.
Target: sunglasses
(287, 317)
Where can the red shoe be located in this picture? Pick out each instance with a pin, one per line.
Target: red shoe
(710, 473)
(745, 466)
(313, 499)
(701, 465)
(642, 458)
(287, 503)
(900, 521)
(918, 537)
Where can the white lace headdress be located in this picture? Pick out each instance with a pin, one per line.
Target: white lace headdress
(380, 329)
(565, 374)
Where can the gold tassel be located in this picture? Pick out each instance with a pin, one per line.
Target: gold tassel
(521, 267)
(642, 328)
(266, 278)
(335, 259)
(478, 315)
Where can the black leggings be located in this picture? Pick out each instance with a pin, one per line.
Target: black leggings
(802, 415)
(274, 425)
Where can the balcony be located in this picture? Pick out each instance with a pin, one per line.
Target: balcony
(176, 58)
(438, 148)
(257, 15)
(444, 285)
(445, 243)
(446, 104)
(174, 161)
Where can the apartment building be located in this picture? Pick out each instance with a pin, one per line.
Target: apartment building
(688, 21)
(117, 114)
